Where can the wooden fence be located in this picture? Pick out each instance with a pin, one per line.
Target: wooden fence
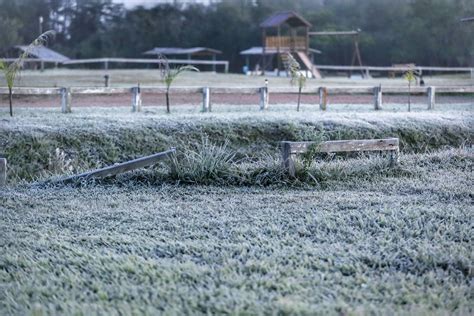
(291, 149)
(264, 92)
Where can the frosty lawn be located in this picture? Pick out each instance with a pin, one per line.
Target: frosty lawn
(387, 244)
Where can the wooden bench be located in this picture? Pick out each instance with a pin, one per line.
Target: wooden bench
(291, 149)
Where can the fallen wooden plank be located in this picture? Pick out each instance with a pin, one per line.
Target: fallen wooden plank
(121, 167)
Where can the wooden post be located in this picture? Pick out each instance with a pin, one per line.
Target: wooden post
(323, 98)
(394, 157)
(378, 98)
(206, 100)
(66, 99)
(288, 158)
(264, 48)
(136, 99)
(3, 172)
(431, 97)
(264, 98)
(106, 81)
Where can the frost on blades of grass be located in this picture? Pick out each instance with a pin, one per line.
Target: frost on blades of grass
(91, 138)
(390, 244)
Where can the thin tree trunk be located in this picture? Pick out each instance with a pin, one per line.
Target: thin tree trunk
(409, 96)
(10, 98)
(167, 101)
(299, 99)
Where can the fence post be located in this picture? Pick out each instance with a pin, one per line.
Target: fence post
(323, 98)
(394, 157)
(378, 98)
(136, 99)
(66, 99)
(206, 99)
(431, 97)
(263, 98)
(3, 172)
(288, 158)
(106, 80)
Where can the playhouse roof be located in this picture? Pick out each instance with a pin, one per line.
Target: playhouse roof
(182, 51)
(44, 53)
(291, 18)
(258, 50)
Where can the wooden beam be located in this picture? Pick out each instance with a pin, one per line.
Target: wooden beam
(291, 149)
(121, 167)
(32, 91)
(337, 33)
(3, 172)
(99, 90)
(345, 145)
(107, 61)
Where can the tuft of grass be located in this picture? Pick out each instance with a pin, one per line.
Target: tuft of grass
(203, 163)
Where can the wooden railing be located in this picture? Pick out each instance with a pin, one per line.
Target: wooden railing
(289, 150)
(66, 94)
(290, 42)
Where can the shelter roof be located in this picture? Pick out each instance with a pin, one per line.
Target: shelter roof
(258, 50)
(44, 53)
(182, 51)
(291, 18)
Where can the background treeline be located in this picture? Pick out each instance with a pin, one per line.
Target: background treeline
(427, 32)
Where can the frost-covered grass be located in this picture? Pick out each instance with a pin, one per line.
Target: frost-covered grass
(224, 229)
(384, 243)
(42, 142)
(150, 77)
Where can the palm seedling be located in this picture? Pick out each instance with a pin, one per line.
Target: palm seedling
(294, 69)
(12, 71)
(410, 77)
(168, 75)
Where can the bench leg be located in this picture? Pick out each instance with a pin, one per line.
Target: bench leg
(288, 159)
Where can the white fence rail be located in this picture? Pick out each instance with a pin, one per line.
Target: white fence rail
(264, 92)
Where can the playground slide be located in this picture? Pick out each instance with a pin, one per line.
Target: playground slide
(309, 65)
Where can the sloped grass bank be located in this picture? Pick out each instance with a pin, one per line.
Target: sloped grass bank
(368, 245)
(41, 143)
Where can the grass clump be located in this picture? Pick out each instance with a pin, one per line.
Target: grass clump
(203, 163)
